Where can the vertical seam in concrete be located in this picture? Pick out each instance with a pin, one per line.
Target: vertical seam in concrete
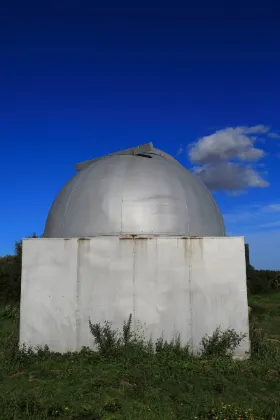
(190, 292)
(133, 285)
(78, 292)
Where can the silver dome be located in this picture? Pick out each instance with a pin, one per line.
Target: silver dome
(137, 191)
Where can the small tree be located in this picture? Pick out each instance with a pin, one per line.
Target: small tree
(10, 274)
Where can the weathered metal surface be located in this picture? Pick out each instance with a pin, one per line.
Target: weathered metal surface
(130, 194)
(138, 150)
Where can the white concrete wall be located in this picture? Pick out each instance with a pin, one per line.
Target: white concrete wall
(171, 284)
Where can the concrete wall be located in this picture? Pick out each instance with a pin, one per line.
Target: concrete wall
(170, 284)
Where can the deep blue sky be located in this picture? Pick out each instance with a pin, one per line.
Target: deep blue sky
(80, 80)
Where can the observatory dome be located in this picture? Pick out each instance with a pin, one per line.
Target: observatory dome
(136, 191)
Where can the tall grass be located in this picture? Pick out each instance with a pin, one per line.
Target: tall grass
(131, 378)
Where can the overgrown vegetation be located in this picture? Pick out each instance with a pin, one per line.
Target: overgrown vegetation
(130, 378)
(260, 281)
(10, 275)
(129, 342)
(221, 343)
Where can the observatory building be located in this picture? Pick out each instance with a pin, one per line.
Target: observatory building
(136, 233)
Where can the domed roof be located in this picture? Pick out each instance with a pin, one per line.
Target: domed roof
(136, 191)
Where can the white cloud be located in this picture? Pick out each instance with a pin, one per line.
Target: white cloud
(229, 176)
(227, 158)
(227, 144)
(256, 129)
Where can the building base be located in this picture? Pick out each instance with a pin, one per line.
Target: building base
(170, 285)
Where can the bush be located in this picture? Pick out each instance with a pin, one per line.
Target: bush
(10, 278)
(261, 347)
(132, 344)
(174, 348)
(221, 343)
(10, 275)
(262, 281)
(9, 312)
(233, 412)
(110, 342)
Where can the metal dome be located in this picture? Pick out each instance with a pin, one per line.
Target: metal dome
(136, 191)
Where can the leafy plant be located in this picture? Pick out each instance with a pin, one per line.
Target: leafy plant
(221, 343)
(261, 347)
(232, 412)
(106, 338)
(9, 312)
(10, 275)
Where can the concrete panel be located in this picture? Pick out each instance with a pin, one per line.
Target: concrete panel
(161, 287)
(49, 293)
(170, 285)
(218, 287)
(105, 278)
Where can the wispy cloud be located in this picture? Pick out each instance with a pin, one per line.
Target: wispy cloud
(272, 224)
(253, 218)
(228, 158)
(273, 207)
(274, 135)
(264, 249)
(180, 150)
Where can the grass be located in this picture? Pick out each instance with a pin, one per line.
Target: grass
(267, 310)
(128, 380)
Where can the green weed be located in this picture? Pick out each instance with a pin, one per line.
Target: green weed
(221, 343)
(130, 378)
(9, 312)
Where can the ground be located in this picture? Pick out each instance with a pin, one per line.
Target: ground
(140, 385)
(268, 309)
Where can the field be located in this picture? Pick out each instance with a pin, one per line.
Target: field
(136, 383)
